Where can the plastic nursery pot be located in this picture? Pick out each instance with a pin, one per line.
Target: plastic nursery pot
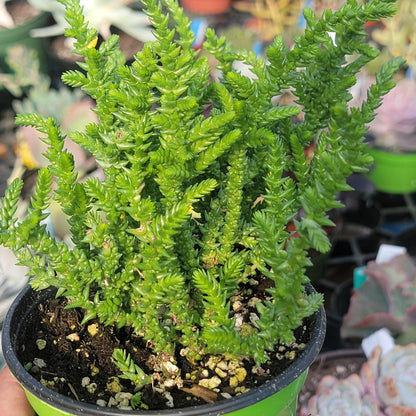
(206, 6)
(393, 172)
(278, 397)
(20, 35)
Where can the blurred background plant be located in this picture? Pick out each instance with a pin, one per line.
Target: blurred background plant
(280, 17)
(16, 12)
(385, 386)
(24, 66)
(101, 14)
(272, 17)
(34, 93)
(6, 20)
(391, 377)
(394, 128)
(346, 397)
(397, 35)
(386, 299)
(17, 19)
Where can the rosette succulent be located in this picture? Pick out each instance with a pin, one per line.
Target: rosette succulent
(386, 386)
(392, 377)
(346, 397)
(386, 299)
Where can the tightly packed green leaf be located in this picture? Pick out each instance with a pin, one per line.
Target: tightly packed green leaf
(204, 180)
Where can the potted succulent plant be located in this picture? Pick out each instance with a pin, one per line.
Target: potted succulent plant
(386, 299)
(184, 259)
(393, 133)
(383, 386)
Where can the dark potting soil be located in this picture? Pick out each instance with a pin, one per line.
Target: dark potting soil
(75, 360)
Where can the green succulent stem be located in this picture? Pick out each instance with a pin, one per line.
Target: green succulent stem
(202, 179)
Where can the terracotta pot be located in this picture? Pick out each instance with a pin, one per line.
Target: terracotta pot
(206, 6)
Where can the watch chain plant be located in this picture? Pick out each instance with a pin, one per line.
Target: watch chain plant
(202, 180)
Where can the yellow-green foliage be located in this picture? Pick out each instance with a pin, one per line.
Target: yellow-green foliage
(201, 179)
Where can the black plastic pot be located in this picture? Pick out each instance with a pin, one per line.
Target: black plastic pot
(275, 398)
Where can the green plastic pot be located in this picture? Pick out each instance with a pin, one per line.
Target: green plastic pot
(393, 172)
(21, 35)
(278, 397)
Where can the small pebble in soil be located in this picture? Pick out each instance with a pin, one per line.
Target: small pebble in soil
(240, 373)
(169, 400)
(41, 344)
(38, 362)
(220, 373)
(73, 337)
(94, 370)
(101, 403)
(85, 381)
(113, 385)
(92, 329)
(92, 388)
(210, 383)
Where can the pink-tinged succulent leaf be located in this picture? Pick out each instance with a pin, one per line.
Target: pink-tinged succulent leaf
(396, 385)
(386, 299)
(370, 298)
(368, 378)
(407, 265)
(326, 383)
(341, 397)
(311, 409)
(409, 320)
(73, 116)
(370, 324)
(387, 389)
(386, 386)
(400, 411)
(402, 298)
(391, 273)
(380, 320)
(398, 111)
